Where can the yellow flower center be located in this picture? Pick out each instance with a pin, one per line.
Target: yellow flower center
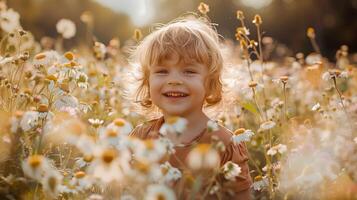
(64, 87)
(239, 131)
(172, 120)
(203, 148)
(88, 158)
(112, 133)
(40, 56)
(149, 144)
(142, 166)
(80, 174)
(35, 161)
(43, 108)
(119, 122)
(52, 77)
(161, 197)
(108, 155)
(69, 55)
(258, 178)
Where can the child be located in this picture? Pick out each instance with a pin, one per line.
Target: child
(181, 65)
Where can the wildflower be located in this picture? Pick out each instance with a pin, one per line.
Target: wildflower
(51, 183)
(82, 80)
(214, 189)
(242, 31)
(106, 167)
(170, 173)
(313, 59)
(42, 111)
(81, 180)
(29, 120)
(284, 79)
(120, 126)
(149, 150)
(127, 197)
(66, 101)
(9, 20)
(99, 50)
(240, 15)
(212, 126)
(203, 156)
(47, 58)
(87, 17)
(310, 32)
(281, 148)
(257, 20)
(35, 166)
(260, 183)
(69, 56)
(173, 125)
(203, 8)
(95, 197)
(242, 135)
(267, 125)
(162, 192)
(66, 28)
(231, 170)
(316, 107)
(95, 122)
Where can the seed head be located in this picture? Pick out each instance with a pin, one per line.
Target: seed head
(252, 84)
(137, 35)
(203, 8)
(311, 33)
(240, 15)
(257, 20)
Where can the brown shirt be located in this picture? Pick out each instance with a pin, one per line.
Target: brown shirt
(236, 153)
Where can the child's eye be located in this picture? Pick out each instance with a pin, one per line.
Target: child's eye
(161, 72)
(190, 72)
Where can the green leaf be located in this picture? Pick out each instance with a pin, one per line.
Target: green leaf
(250, 107)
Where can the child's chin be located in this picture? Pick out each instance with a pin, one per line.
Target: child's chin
(173, 112)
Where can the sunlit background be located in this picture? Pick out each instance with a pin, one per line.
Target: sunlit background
(285, 20)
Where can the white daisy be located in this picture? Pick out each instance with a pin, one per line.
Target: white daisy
(170, 173)
(231, 170)
(241, 135)
(203, 156)
(9, 20)
(106, 166)
(162, 192)
(212, 126)
(316, 107)
(260, 183)
(267, 125)
(51, 183)
(173, 125)
(81, 181)
(35, 166)
(95, 122)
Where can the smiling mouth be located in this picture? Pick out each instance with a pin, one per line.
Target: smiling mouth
(175, 94)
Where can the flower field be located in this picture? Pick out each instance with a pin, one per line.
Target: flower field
(66, 115)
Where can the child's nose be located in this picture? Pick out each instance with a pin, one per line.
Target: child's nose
(174, 79)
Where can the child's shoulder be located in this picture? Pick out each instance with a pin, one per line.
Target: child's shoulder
(142, 130)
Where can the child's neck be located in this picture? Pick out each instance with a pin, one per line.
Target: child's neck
(196, 123)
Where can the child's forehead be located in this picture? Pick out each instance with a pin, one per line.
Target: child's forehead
(178, 62)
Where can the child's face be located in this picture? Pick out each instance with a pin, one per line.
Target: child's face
(178, 89)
